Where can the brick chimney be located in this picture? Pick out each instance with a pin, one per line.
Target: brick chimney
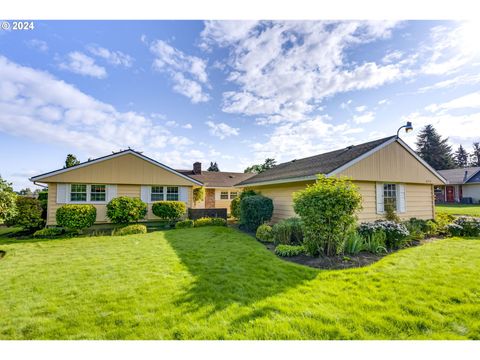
(197, 168)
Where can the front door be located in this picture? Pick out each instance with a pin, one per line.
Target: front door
(450, 194)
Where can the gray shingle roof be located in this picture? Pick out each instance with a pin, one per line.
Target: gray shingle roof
(217, 179)
(318, 164)
(458, 176)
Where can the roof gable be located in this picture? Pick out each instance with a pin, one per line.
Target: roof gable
(461, 175)
(125, 167)
(216, 179)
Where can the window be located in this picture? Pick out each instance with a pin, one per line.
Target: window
(157, 193)
(97, 192)
(172, 193)
(78, 192)
(390, 195)
(233, 194)
(224, 195)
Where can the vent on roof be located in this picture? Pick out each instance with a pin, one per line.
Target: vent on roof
(349, 147)
(294, 160)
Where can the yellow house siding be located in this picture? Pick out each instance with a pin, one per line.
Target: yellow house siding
(125, 169)
(392, 163)
(52, 204)
(418, 200)
(132, 191)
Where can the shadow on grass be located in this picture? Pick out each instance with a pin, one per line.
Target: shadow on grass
(231, 267)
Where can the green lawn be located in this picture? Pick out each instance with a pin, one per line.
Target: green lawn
(459, 209)
(218, 283)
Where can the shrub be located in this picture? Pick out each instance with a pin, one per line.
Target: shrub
(29, 214)
(353, 243)
(375, 242)
(206, 221)
(48, 233)
(235, 204)
(255, 210)
(184, 224)
(442, 220)
(169, 210)
(124, 210)
(416, 228)
(264, 233)
(431, 228)
(8, 207)
(390, 213)
(288, 231)
(289, 250)
(327, 210)
(454, 230)
(198, 194)
(396, 234)
(130, 230)
(76, 217)
(470, 225)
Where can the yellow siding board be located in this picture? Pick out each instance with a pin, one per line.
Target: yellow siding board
(392, 163)
(125, 169)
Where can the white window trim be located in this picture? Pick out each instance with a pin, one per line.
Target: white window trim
(179, 191)
(400, 192)
(88, 201)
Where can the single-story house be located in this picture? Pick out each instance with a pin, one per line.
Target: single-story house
(129, 173)
(385, 170)
(463, 185)
(219, 186)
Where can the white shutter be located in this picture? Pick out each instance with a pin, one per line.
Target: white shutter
(401, 202)
(380, 204)
(111, 192)
(183, 194)
(62, 193)
(146, 194)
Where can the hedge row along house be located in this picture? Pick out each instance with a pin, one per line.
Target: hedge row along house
(385, 170)
(130, 173)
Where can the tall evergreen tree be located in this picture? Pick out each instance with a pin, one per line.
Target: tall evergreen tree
(70, 161)
(475, 155)
(259, 168)
(434, 150)
(461, 157)
(213, 167)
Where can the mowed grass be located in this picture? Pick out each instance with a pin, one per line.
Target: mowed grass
(459, 209)
(218, 283)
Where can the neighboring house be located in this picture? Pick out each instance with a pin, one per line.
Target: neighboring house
(463, 185)
(129, 173)
(385, 170)
(220, 187)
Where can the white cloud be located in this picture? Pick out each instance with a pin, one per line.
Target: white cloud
(384, 102)
(221, 130)
(469, 101)
(82, 64)
(187, 72)
(468, 79)
(37, 44)
(187, 126)
(283, 70)
(364, 118)
(36, 105)
(361, 108)
(113, 57)
(392, 56)
(171, 123)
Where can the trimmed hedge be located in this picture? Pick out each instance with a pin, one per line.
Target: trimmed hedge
(169, 210)
(130, 230)
(264, 233)
(76, 216)
(210, 222)
(184, 224)
(289, 250)
(255, 210)
(124, 210)
(48, 233)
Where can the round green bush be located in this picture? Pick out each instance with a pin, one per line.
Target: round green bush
(76, 216)
(169, 210)
(264, 233)
(184, 224)
(29, 214)
(289, 250)
(254, 211)
(235, 204)
(124, 210)
(130, 230)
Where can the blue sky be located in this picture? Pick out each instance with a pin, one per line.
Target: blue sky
(230, 92)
